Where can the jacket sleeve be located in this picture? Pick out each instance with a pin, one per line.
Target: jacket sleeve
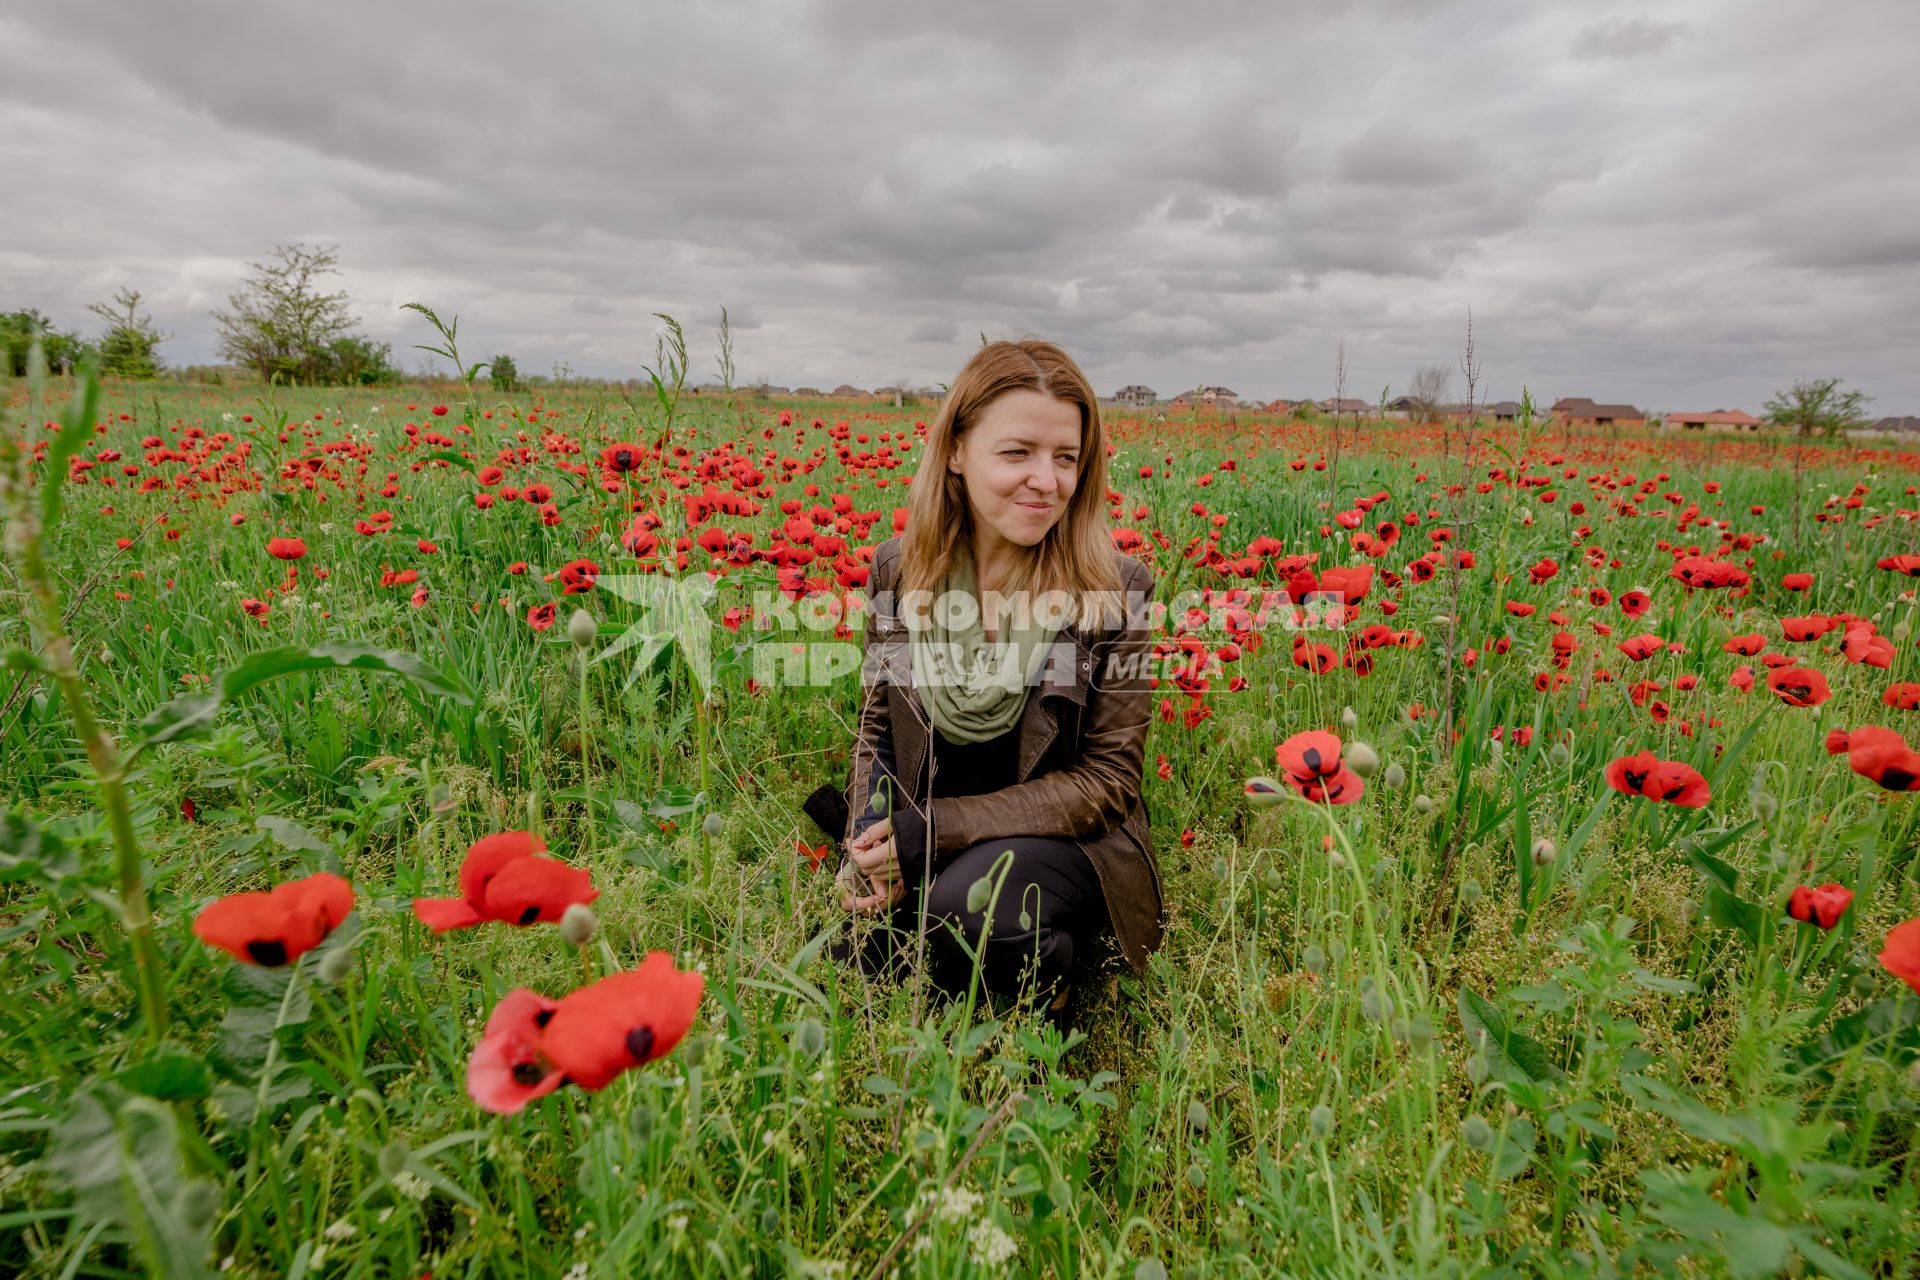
(874, 791)
(1091, 796)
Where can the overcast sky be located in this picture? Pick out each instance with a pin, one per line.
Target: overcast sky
(1683, 204)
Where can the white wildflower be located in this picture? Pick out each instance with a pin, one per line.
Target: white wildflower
(411, 1185)
(341, 1230)
(992, 1248)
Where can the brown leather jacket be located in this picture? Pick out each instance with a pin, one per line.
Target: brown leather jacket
(1082, 755)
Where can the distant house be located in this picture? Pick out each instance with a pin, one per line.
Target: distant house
(1718, 420)
(1280, 406)
(1504, 411)
(847, 391)
(1135, 396)
(1344, 406)
(1578, 411)
(771, 390)
(1219, 398)
(1907, 425)
(1181, 401)
(810, 393)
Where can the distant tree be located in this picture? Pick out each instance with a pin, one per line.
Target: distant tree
(1818, 405)
(281, 322)
(1431, 385)
(63, 349)
(357, 361)
(127, 346)
(505, 374)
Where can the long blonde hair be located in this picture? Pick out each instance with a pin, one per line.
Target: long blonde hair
(1077, 553)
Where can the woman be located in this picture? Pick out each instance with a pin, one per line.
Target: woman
(1006, 699)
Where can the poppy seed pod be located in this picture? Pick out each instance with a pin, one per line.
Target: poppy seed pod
(582, 629)
(1362, 759)
(578, 924)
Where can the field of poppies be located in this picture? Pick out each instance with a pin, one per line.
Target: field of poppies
(390, 887)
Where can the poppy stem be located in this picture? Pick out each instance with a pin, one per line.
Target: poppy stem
(586, 771)
(24, 509)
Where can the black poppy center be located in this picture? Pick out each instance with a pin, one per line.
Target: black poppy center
(1312, 757)
(527, 1073)
(529, 915)
(543, 1017)
(1894, 778)
(1637, 781)
(640, 1043)
(271, 952)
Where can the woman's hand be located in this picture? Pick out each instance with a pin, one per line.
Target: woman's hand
(873, 852)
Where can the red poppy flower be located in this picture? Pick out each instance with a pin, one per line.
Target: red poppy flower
(576, 576)
(1669, 781)
(621, 458)
(1797, 581)
(1799, 686)
(273, 928)
(1640, 648)
(1746, 645)
(286, 548)
(815, 857)
(1311, 762)
(1860, 644)
(255, 608)
(1634, 603)
(506, 1071)
(1901, 955)
(1821, 906)
(505, 879)
(1907, 564)
(541, 616)
(1904, 695)
(1879, 755)
(1810, 627)
(622, 1021)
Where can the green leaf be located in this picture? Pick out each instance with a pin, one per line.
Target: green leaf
(186, 716)
(1508, 1052)
(1730, 912)
(1514, 1149)
(121, 1155)
(28, 850)
(290, 834)
(169, 1073)
(452, 459)
(76, 428)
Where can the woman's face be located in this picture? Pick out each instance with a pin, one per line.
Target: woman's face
(1020, 462)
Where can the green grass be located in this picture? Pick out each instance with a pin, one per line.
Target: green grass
(1427, 1055)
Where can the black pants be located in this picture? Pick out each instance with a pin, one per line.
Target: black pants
(1048, 914)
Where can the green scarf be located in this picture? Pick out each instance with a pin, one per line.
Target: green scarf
(973, 689)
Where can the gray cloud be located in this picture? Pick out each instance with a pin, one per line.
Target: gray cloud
(1180, 194)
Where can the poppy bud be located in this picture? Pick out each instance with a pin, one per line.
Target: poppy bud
(1197, 1116)
(334, 965)
(1423, 804)
(1150, 1269)
(1376, 1005)
(1362, 759)
(1901, 630)
(713, 824)
(1320, 1120)
(1764, 804)
(979, 894)
(1349, 718)
(642, 1122)
(1220, 869)
(1315, 959)
(1560, 756)
(1178, 1040)
(1476, 1068)
(1274, 880)
(578, 924)
(769, 1220)
(1476, 1133)
(1197, 1176)
(1264, 793)
(1420, 1032)
(393, 1159)
(810, 1038)
(1470, 893)
(1338, 859)
(582, 629)
(1543, 852)
(1394, 776)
